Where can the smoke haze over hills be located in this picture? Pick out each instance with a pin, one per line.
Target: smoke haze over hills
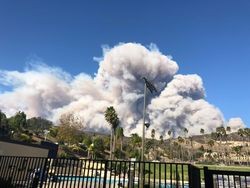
(41, 90)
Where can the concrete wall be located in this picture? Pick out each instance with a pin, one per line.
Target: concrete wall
(13, 149)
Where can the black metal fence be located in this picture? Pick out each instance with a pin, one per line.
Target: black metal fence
(226, 179)
(61, 172)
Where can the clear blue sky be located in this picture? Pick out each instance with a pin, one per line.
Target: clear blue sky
(210, 38)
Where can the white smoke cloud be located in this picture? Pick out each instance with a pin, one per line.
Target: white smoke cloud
(235, 124)
(182, 105)
(46, 91)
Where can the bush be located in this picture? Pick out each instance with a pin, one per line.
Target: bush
(25, 138)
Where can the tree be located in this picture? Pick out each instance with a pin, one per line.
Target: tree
(241, 133)
(161, 139)
(38, 124)
(211, 143)
(112, 118)
(181, 141)
(120, 135)
(68, 129)
(153, 133)
(18, 122)
(99, 147)
(185, 130)
(135, 141)
(170, 142)
(4, 126)
(202, 132)
(221, 132)
(228, 129)
(149, 145)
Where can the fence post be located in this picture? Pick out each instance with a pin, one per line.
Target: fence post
(194, 176)
(105, 173)
(208, 178)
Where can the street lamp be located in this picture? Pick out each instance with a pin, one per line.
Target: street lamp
(147, 85)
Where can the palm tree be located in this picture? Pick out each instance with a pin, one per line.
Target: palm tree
(241, 133)
(185, 130)
(220, 132)
(135, 140)
(181, 140)
(247, 135)
(170, 139)
(161, 139)
(153, 134)
(202, 132)
(112, 118)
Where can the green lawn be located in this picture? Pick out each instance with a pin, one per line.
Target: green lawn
(158, 171)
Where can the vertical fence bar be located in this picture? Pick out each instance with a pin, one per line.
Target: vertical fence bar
(177, 176)
(80, 180)
(92, 173)
(149, 173)
(159, 174)
(165, 174)
(14, 172)
(171, 179)
(87, 179)
(97, 163)
(154, 174)
(105, 173)
(75, 172)
(119, 176)
(53, 174)
(182, 176)
(5, 170)
(129, 174)
(64, 171)
(62, 168)
(234, 181)
(110, 172)
(208, 178)
(114, 180)
(245, 181)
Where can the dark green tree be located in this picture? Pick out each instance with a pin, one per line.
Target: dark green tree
(4, 126)
(38, 124)
(18, 122)
(112, 118)
(120, 136)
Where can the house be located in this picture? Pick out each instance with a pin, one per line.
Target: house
(17, 148)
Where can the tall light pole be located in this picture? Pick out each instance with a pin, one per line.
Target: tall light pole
(147, 85)
(151, 88)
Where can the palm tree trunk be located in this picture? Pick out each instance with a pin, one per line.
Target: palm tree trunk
(111, 145)
(114, 143)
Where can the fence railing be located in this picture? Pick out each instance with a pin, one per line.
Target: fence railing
(226, 179)
(62, 172)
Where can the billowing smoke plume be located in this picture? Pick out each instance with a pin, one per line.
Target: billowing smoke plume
(50, 92)
(235, 124)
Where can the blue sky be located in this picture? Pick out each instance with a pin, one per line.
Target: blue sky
(209, 38)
